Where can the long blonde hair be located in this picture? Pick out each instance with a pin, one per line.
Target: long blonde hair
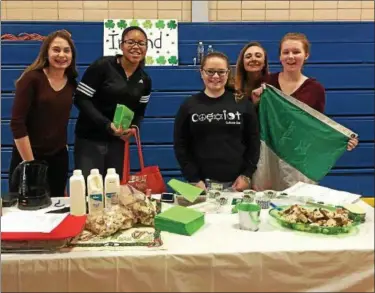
(42, 60)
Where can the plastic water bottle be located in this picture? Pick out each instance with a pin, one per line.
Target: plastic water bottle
(95, 191)
(200, 52)
(77, 192)
(111, 187)
(210, 49)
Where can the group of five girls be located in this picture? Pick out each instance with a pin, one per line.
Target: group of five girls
(216, 133)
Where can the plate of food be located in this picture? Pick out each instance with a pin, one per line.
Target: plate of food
(315, 218)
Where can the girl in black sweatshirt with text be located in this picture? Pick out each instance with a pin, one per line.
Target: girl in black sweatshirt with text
(216, 133)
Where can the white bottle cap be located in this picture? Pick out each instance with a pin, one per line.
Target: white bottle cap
(77, 172)
(200, 43)
(94, 172)
(111, 171)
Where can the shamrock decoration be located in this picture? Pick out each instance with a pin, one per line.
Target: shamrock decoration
(149, 60)
(134, 22)
(122, 24)
(172, 24)
(160, 24)
(161, 60)
(172, 60)
(109, 24)
(147, 24)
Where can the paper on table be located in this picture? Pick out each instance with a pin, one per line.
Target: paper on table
(180, 220)
(22, 222)
(188, 191)
(322, 194)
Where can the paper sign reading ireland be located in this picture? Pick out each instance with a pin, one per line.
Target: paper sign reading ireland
(162, 39)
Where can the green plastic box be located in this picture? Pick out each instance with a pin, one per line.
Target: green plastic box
(123, 117)
(179, 220)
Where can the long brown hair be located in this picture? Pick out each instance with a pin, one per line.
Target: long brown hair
(230, 84)
(242, 83)
(42, 60)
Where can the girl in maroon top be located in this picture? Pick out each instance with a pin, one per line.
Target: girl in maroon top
(294, 51)
(41, 110)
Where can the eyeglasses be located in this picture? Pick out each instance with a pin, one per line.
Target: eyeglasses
(220, 72)
(132, 43)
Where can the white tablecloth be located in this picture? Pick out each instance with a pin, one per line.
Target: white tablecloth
(218, 258)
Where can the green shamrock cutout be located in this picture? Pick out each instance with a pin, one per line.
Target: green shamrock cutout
(109, 24)
(161, 60)
(122, 24)
(134, 22)
(147, 24)
(172, 60)
(172, 24)
(160, 24)
(149, 60)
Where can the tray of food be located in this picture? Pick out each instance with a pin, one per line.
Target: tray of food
(315, 218)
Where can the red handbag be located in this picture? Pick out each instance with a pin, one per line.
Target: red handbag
(154, 179)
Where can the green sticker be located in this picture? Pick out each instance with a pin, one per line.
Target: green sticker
(161, 60)
(147, 24)
(173, 60)
(160, 24)
(122, 24)
(134, 22)
(109, 24)
(172, 24)
(149, 60)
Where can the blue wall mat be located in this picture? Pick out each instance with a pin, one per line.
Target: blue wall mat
(334, 32)
(163, 156)
(153, 131)
(167, 175)
(161, 104)
(160, 130)
(20, 53)
(160, 155)
(271, 31)
(166, 104)
(187, 78)
(350, 102)
(363, 126)
(357, 181)
(347, 74)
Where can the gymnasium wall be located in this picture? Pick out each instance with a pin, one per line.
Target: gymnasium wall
(256, 10)
(342, 60)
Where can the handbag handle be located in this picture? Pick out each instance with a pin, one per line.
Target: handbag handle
(126, 165)
(135, 131)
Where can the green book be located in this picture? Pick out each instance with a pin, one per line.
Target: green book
(188, 191)
(123, 117)
(179, 220)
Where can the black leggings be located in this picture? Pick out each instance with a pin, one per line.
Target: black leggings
(90, 154)
(58, 168)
